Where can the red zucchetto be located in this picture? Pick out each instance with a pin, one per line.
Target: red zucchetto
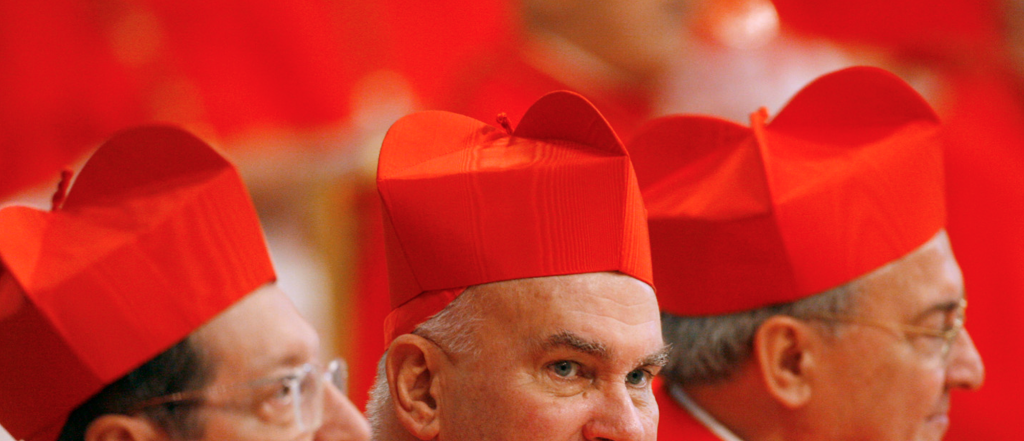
(847, 178)
(466, 203)
(156, 237)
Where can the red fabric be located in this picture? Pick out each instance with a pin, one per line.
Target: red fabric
(466, 203)
(502, 82)
(63, 89)
(985, 179)
(423, 39)
(157, 236)
(269, 62)
(404, 319)
(847, 178)
(922, 27)
(675, 423)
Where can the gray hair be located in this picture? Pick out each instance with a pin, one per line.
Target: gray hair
(453, 330)
(709, 349)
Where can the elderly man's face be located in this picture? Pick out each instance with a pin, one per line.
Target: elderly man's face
(263, 337)
(884, 384)
(558, 358)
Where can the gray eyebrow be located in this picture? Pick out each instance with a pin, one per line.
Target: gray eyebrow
(567, 339)
(944, 307)
(570, 340)
(659, 359)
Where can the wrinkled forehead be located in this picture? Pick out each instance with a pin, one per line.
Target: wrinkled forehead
(609, 307)
(573, 291)
(923, 278)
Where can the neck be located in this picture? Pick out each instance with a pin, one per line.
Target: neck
(743, 405)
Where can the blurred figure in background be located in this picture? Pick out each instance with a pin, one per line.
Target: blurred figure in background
(616, 53)
(807, 283)
(144, 307)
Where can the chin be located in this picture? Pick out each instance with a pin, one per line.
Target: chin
(934, 428)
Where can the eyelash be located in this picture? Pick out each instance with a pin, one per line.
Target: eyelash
(579, 373)
(648, 376)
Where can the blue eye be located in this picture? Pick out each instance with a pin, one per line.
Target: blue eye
(565, 369)
(637, 377)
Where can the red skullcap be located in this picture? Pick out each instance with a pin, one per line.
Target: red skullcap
(156, 237)
(847, 178)
(467, 204)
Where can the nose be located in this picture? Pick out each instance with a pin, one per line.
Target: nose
(617, 416)
(965, 370)
(342, 421)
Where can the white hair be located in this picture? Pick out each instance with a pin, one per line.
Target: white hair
(453, 330)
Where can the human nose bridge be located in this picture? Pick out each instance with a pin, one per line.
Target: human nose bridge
(342, 421)
(966, 370)
(616, 417)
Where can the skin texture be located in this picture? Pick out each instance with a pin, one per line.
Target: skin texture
(556, 358)
(885, 385)
(260, 336)
(863, 382)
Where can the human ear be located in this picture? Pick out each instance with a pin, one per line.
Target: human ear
(411, 367)
(783, 348)
(121, 428)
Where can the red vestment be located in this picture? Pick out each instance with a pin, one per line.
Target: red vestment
(676, 423)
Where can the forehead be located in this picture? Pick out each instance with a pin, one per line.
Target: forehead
(613, 309)
(926, 277)
(258, 334)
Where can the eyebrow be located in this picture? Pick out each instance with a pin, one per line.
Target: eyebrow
(572, 341)
(659, 358)
(944, 307)
(569, 340)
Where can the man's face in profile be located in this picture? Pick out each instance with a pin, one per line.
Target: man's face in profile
(557, 358)
(885, 382)
(263, 357)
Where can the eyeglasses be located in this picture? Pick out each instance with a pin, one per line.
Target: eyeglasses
(945, 337)
(288, 404)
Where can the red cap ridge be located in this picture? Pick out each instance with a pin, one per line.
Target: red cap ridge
(847, 178)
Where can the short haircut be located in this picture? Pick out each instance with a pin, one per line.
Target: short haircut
(452, 329)
(180, 368)
(709, 349)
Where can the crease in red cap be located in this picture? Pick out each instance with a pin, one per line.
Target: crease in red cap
(156, 237)
(466, 203)
(847, 178)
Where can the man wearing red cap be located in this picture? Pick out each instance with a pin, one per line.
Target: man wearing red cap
(143, 307)
(519, 271)
(806, 281)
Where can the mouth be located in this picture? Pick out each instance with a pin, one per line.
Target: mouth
(939, 419)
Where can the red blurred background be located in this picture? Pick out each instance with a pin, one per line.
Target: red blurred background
(300, 93)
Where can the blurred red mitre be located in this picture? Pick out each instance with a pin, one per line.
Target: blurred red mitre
(847, 178)
(156, 237)
(466, 203)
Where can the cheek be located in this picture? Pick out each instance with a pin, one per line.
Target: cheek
(515, 412)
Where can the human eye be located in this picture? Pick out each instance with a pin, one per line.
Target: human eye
(639, 377)
(278, 399)
(287, 386)
(565, 369)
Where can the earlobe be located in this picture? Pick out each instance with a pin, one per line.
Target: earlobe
(412, 363)
(783, 348)
(121, 428)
